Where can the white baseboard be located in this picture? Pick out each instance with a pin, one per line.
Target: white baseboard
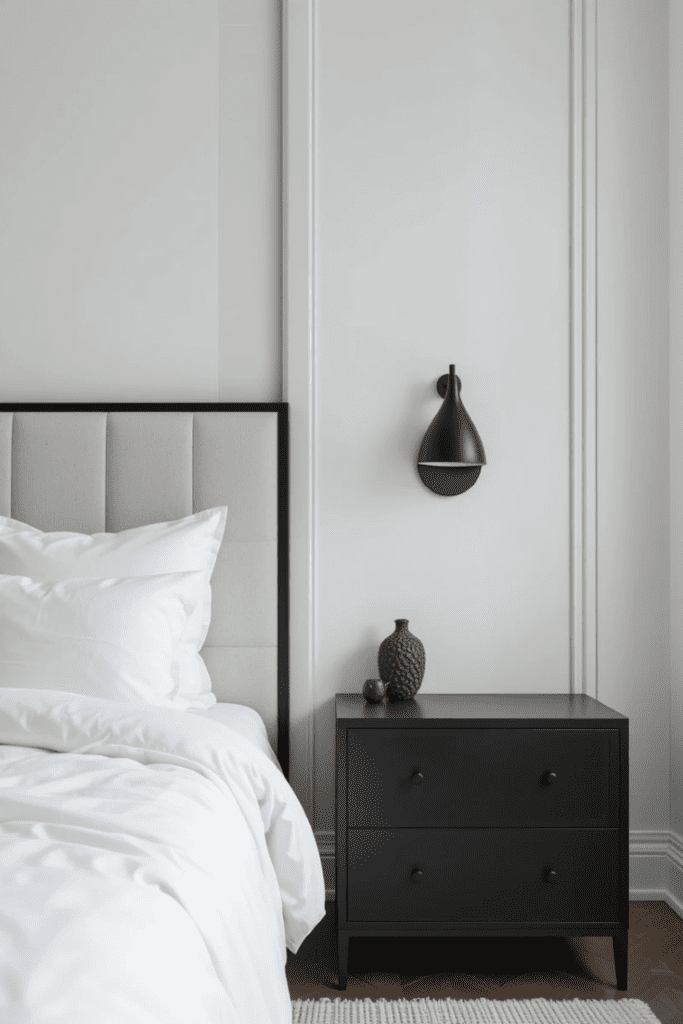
(655, 866)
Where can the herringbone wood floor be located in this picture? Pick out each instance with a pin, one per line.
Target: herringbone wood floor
(501, 968)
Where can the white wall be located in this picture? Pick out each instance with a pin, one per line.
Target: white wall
(676, 411)
(131, 133)
(250, 364)
(633, 390)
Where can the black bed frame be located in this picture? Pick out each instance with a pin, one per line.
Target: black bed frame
(282, 410)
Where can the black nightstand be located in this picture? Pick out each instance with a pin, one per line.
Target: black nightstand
(482, 814)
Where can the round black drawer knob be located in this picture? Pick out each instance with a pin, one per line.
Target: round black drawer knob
(551, 875)
(416, 778)
(416, 876)
(550, 778)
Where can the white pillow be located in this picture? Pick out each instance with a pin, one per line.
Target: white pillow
(112, 638)
(181, 545)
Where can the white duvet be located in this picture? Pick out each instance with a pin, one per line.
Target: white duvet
(153, 867)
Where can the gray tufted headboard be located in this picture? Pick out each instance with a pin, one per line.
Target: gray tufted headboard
(94, 468)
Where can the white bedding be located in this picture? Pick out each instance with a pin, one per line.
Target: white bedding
(154, 866)
(244, 720)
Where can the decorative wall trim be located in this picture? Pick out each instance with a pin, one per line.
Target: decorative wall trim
(676, 851)
(674, 891)
(656, 867)
(300, 360)
(583, 677)
(299, 370)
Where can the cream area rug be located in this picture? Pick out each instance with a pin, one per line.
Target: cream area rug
(472, 1011)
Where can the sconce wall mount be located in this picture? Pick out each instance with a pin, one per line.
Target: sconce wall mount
(451, 454)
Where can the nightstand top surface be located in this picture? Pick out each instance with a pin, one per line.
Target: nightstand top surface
(476, 706)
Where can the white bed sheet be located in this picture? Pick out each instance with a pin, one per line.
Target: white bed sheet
(244, 720)
(151, 872)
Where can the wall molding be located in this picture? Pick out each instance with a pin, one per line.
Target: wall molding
(299, 363)
(583, 675)
(656, 867)
(299, 374)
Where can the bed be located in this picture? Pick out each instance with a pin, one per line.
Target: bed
(155, 864)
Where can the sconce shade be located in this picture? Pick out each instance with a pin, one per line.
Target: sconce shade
(452, 436)
(451, 454)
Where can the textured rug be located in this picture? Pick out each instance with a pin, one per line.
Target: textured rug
(472, 1011)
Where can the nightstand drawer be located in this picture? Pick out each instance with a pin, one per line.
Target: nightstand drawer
(482, 875)
(483, 777)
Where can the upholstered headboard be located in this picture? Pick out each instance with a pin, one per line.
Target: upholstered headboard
(94, 468)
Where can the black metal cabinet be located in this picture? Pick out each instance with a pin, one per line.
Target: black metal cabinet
(482, 814)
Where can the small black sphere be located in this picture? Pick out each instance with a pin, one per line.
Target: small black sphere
(373, 690)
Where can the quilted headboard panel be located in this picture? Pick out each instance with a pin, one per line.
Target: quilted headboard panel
(108, 468)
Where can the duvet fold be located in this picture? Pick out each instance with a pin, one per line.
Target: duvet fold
(154, 867)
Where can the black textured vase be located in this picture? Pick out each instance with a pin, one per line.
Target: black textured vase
(401, 660)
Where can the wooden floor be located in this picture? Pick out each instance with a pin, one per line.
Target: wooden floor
(501, 968)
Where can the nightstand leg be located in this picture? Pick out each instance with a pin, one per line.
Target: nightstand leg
(621, 959)
(343, 957)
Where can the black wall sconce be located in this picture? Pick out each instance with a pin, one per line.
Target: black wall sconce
(451, 455)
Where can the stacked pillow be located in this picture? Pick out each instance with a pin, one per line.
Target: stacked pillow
(117, 615)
